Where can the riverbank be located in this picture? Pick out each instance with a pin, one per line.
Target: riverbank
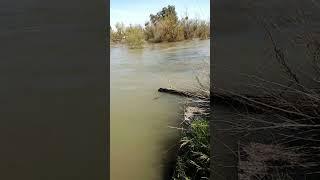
(193, 156)
(193, 153)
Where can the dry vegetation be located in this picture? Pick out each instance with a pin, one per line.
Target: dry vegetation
(164, 26)
(281, 125)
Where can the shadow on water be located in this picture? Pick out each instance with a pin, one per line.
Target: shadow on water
(169, 158)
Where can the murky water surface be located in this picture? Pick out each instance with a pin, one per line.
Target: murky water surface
(140, 116)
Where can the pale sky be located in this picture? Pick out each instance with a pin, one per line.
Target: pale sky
(138, 11)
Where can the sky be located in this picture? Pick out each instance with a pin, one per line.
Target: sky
(138, 11)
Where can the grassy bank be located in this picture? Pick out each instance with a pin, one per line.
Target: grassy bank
(164, 26)
(193, 159)
(193, 155)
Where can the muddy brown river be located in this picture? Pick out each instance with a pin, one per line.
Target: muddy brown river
(140, 116)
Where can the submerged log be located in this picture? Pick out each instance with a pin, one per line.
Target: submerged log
(175, 92)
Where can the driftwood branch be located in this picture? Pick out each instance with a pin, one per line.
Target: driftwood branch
(176, 92)
(252, 103)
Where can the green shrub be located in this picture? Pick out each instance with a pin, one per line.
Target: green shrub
(194, 153)
(148, 31)
(166, 12)
(164, 26)
(134, 36)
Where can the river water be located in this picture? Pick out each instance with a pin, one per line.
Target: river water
(141, 137)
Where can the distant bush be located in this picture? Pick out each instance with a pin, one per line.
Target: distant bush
(203, 30)
(119, 34)
(189, 28)
(134, 36)
(195, 28)
(163, 26)
(148, 31)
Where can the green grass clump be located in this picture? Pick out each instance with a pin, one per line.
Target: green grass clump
(193, 161)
